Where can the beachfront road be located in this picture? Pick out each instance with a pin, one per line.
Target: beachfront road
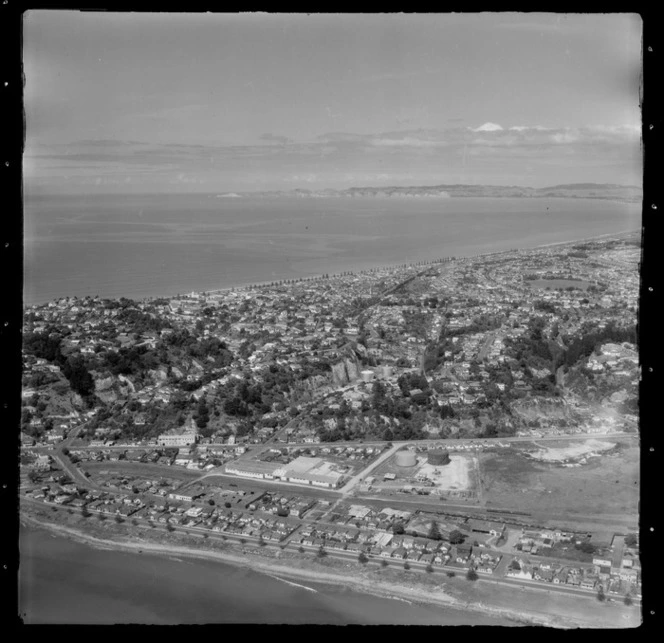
(348, 556)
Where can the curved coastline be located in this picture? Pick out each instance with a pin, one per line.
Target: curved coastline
(272, 568)
(242, 266)
(262, 284)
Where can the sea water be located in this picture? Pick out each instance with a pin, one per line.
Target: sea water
(62, 581)
(140, 246)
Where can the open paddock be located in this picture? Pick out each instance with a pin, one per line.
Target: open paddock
(606, 488)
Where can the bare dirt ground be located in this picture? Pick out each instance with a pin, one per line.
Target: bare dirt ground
(571, 451)
(458, 475)
(605, 490)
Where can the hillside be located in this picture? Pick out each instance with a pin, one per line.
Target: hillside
(576, 190)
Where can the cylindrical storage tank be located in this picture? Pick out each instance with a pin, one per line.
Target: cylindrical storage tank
(438, 457)
(367, 376)
(387, 372)
(406, 459)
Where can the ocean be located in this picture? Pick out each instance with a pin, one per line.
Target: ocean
(140, 246)
(62, 581)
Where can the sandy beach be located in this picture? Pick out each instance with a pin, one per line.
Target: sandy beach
(362, 580)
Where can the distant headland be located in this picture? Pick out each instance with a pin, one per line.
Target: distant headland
(631, 193)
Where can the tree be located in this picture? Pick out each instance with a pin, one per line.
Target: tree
(471, 574)
(383, 563)
(587, 547)
(456, 537)
(631, 540)
(406, 565)
(601, 597)
(301, 549)
(450, 574)
(434, 532)
(85, 513)
(398, 528)
(78, 375)
(363, 558)
(429, 568)
(628, 600)
(321, 553)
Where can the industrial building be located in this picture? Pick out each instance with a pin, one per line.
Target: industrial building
(302, 470)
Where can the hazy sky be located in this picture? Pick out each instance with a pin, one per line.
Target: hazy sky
(220, 102)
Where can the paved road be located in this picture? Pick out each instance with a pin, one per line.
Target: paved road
(488, 342)
(63, 460)
(259, 448)
(345, 490)
(72, 471)
(351, 556)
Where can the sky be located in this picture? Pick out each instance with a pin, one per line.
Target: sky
(150, 103)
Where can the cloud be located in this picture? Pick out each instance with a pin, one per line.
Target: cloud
(283, 140)
(407, 141)
(383, 156)
(523, 128)
(343, 137)
(488, 127)
(564, 137)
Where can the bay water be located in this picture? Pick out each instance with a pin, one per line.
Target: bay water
(63, 581)
(140, 246)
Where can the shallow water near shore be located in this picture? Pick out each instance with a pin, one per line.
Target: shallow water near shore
(62, 581)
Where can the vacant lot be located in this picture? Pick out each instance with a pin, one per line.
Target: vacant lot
(458, 475)
(605, 489)
(571, 451)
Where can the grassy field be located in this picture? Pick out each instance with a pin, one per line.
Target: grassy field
(605, 489)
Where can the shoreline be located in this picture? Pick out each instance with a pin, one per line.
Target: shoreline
(246, 286)
(272, 568)
(260, 284)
